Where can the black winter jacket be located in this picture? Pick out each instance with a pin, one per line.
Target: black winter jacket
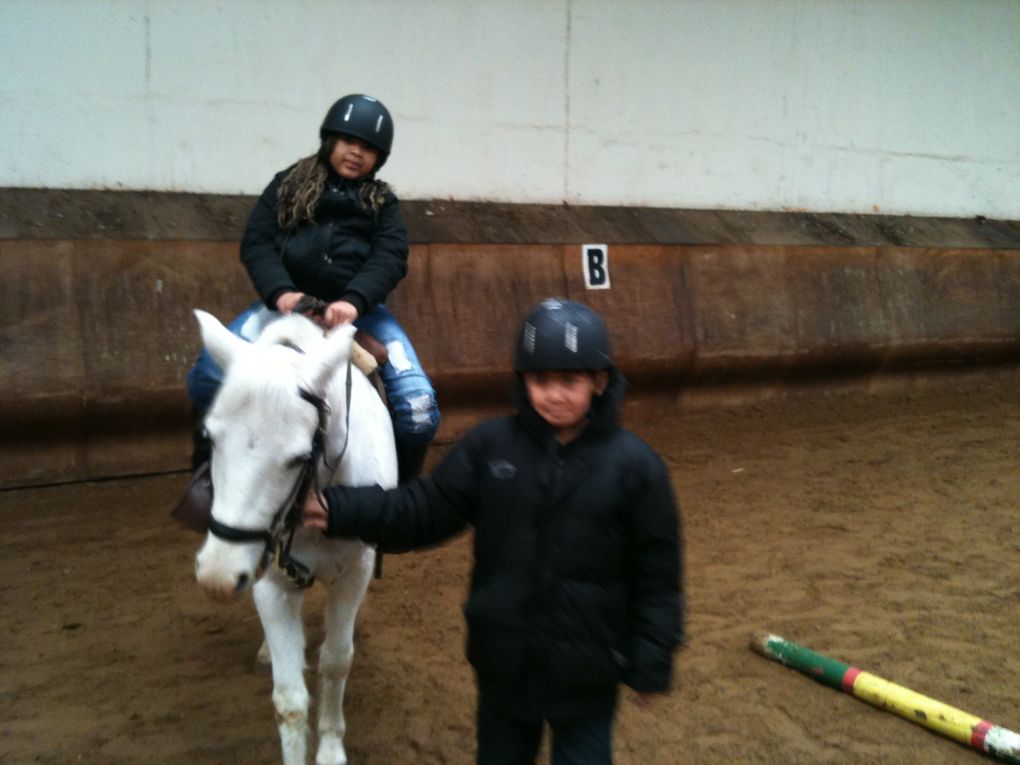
(347, 253)
(577, 576)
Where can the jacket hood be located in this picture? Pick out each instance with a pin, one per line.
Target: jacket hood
(603, 416)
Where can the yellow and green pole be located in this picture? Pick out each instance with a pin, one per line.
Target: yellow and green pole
(942, 718)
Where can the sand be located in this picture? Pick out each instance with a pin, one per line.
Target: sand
(882, 530)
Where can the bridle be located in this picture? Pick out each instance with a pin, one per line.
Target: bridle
(277, 539)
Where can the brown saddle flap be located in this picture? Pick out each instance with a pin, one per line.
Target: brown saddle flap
(195, 508)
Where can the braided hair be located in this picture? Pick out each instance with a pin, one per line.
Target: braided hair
(300, 191)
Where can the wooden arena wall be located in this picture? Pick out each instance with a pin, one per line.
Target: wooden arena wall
(97, 333)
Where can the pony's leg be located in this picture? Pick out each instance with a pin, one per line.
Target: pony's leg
(336, 655)
(279, 608)
(263, 661)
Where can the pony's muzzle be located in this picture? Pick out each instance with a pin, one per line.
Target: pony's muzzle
(224, 577)
(225, 590)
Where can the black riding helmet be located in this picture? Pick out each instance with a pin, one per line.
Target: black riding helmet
(562, 334)
(363, 117)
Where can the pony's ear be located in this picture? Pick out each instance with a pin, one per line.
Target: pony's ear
(221, 343)
(334, 352)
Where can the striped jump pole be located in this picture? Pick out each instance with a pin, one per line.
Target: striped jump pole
(953, 723)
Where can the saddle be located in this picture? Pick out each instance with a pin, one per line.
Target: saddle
(367, 353)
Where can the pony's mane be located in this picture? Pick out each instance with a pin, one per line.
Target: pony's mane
(293, 330)
(266, 375)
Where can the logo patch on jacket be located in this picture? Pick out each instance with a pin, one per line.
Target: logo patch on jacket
(502, 470)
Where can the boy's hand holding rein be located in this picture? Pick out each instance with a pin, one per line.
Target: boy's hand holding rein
(315, 515)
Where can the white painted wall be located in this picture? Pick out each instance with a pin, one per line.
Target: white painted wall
(892, 106)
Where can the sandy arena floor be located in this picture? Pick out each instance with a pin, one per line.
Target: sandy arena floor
(880, 530)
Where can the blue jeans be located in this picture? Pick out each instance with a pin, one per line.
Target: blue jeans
(409, 391)
(513, 738)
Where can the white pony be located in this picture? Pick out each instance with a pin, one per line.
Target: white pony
(292, 411)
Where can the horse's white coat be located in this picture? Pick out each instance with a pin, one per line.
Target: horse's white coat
(260, 426)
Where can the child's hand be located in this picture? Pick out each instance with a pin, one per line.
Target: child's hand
(314, 514)
(286, 302)
(340, 312)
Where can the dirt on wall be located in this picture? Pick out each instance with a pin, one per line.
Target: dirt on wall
(881, 530)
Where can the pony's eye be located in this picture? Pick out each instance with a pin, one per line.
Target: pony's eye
(300, 461)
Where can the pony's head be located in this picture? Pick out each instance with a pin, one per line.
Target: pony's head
(262, 425)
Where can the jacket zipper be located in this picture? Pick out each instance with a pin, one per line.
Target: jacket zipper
(327, 240)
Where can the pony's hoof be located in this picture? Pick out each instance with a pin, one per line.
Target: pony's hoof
(331, 751)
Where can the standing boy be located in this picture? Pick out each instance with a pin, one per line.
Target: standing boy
(576, 586)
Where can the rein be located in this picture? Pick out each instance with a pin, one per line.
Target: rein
(311, 305)
(277, 539)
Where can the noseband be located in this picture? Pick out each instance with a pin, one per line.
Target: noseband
(278, 537)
